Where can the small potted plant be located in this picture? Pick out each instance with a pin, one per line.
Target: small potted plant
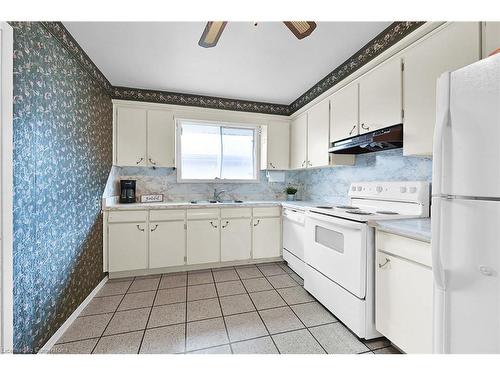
(290, 192)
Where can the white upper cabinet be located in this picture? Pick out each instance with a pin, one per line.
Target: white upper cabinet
(161, 138)
(275, 145)
(451, 48)
(344, 115)
(318, 128)
(131, 136)
(380, 97)
(298, 142)
(144, 137)
(491, 37)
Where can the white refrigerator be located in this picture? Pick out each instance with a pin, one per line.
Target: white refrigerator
(466, 210)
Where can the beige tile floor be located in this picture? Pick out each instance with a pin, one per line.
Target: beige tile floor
(249, 309)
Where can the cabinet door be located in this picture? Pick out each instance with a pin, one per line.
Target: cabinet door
(491, 37)
(161, 138)
(278, 145)
(298, 142)
(236, 239)
(127, 246)
(131, 137)
(380, 97)
(266, 237)
(203, 241)
(453, 47)
(167, 244)
(344, 119)
(318, 128)
(404, 293)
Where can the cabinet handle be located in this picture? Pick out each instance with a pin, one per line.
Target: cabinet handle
(365, 127)
(212, 224)
(384, 264)
(257, 223)
(353, 128)
(152, 162)
(303, 163)
(155, 228)
(272, 166)
(141, 159)
(309, 163)
(225, 225)
(138, 227)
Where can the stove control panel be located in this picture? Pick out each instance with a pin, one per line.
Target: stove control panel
(404, 191)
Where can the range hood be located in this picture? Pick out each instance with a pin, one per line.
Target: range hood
(377, 140)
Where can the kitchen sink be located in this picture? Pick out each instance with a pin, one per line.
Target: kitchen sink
(214, 202)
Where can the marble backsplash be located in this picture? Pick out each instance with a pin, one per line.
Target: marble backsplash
(164, 181)
(328, 184)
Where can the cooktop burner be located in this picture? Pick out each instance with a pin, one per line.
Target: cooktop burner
(347, 207)
(325, 207)
(359, 212)
(387, 212)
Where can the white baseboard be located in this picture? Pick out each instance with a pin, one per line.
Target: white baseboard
(56, 336)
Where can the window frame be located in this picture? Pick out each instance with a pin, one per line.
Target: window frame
(256, 150)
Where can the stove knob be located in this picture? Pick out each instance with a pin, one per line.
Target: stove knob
(413, 190)
(353, 188)
(359, 188)
(402, 189)
(379, 189)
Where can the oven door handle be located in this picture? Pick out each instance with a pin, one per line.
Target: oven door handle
(335, 221)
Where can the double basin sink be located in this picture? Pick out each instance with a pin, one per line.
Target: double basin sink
(216, 202)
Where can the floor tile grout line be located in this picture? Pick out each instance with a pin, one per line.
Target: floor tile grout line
(260, 317)
(222, 315)
(112, 316)
(311, 327)
(186, 316)
(149, 316)
(300, 320)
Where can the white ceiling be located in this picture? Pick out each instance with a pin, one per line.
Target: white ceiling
(263, 63)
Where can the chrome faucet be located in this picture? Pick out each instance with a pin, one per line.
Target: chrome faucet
(218, 194)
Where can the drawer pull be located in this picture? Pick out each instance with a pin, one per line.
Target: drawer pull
(352, 130)
(212, 224)
(384, 264)
(140, 160)
(257, 223)
(225, 225)
(155, 228)
(365, 127)
(152, 162)
(138, 227)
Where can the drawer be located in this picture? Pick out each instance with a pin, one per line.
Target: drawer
(236, 212)
(127, 216)
(404, 247)
(267, 211)
(202, 213)
(166, 215)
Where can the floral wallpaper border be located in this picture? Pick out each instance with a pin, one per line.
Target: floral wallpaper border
(386, 39)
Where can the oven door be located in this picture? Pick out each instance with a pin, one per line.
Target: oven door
(337, 248)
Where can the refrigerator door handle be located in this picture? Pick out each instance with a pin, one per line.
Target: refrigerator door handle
(442, 119)
(437, 267)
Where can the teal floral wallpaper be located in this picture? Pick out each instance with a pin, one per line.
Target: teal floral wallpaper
(62, 157)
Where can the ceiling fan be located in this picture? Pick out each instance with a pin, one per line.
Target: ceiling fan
(214, 29)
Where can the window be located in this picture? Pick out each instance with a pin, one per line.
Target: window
(212, 151)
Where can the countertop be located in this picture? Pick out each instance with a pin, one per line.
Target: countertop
(418, 229)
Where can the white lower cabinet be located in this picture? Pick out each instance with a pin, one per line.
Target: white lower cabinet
(203, 241)
(127, 243)
(167, 244)
(404, 292)
(266, 237)
(236, 239)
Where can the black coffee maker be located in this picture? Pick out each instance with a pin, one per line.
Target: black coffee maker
(127, 191)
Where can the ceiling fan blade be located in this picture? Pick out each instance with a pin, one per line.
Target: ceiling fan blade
(212, 33)
(301, 29)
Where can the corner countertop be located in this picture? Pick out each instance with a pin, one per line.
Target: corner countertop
(112, 204)
(418, 229)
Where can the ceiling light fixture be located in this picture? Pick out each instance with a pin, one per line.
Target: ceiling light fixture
(212, 33)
